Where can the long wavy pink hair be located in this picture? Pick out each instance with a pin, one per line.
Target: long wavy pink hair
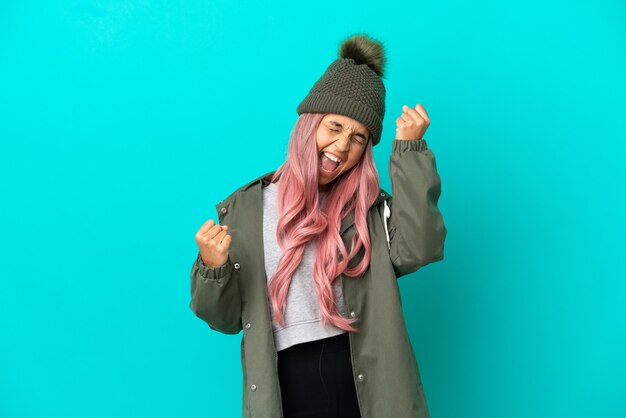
(302, 219)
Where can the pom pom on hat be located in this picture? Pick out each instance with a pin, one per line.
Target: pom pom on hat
(364, 50)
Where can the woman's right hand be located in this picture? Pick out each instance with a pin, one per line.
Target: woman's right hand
(213, 241)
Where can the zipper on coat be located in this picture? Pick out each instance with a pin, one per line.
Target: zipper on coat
(280, 395)
(269, 315)
(387, 215)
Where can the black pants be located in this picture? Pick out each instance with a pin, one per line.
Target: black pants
(316, 379)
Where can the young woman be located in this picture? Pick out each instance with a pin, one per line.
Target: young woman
(305, 259)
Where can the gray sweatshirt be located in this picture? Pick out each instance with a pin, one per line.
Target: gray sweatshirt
(302, 316)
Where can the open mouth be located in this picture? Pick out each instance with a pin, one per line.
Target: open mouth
(329, 164)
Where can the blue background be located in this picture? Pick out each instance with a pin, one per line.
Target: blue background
(122, 124)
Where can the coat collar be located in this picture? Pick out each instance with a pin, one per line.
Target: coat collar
(256, 187)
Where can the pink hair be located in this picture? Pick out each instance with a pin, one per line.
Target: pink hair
(301, 219)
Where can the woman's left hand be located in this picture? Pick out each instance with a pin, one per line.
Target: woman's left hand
(412, 124)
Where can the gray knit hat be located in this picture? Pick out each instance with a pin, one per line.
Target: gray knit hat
(352, 85)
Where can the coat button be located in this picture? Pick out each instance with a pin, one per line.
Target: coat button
(223, 210)
(253, 388)
(352, 314)
(236, 266)
(360, 377)
(248, 325)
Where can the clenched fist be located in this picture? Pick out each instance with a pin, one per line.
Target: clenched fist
(213, 241)
(412, 123)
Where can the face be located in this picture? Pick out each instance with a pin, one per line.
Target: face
(345, 139)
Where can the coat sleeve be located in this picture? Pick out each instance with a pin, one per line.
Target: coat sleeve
(416, 228)
(215, 296)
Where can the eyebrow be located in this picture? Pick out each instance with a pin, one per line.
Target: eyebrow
(362, 135)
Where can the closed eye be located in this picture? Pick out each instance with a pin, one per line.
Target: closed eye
(360, 141)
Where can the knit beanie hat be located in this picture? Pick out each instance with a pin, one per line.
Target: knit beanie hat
(352, 85)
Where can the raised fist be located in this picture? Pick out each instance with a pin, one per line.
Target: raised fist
(213, 241)
(412, 123)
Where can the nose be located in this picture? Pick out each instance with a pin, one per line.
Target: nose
(343, 143)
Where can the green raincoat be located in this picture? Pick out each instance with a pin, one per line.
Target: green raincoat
(232, 297)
